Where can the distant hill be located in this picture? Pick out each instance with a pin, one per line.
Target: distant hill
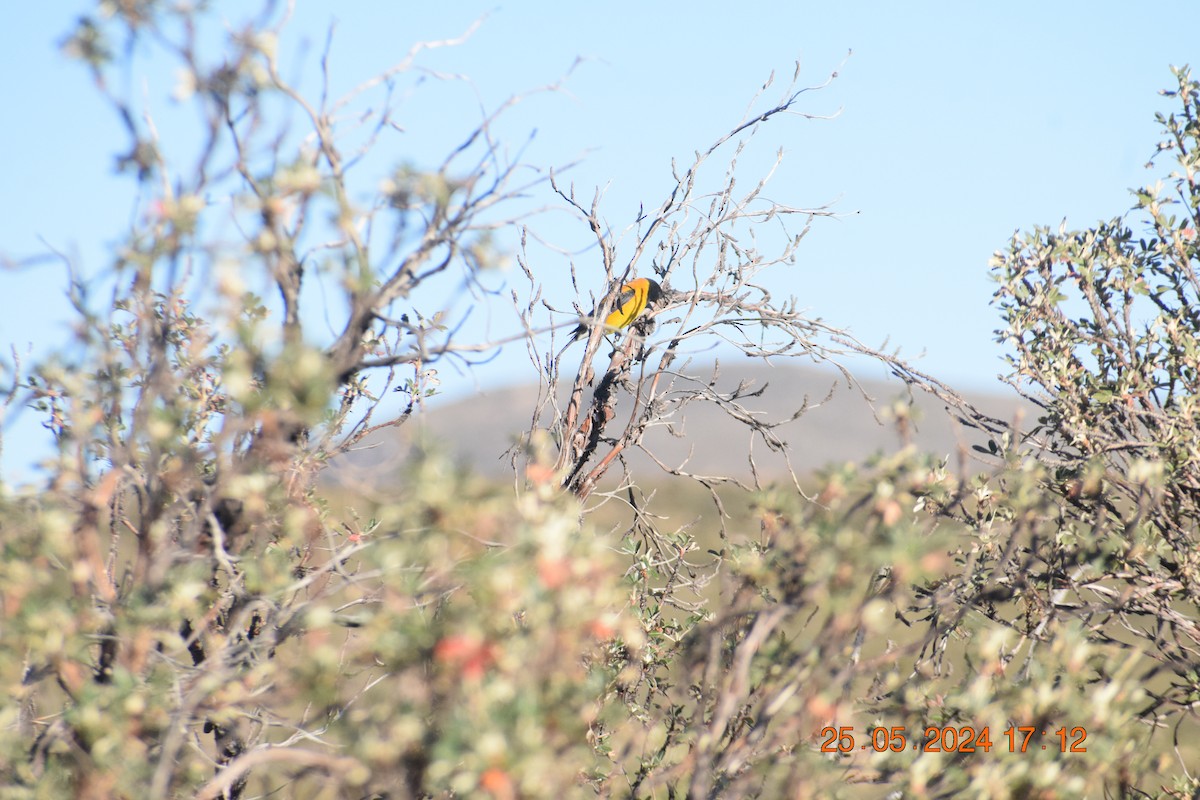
(838, 425)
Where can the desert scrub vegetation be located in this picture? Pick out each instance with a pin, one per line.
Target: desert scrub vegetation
(190, 611)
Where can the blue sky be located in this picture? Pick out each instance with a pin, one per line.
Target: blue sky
(959, 123)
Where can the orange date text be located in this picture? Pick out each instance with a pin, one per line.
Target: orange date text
(953, 739)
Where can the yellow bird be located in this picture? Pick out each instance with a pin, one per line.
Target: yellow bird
(634, 298)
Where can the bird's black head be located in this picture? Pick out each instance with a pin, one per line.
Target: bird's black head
(655, 292)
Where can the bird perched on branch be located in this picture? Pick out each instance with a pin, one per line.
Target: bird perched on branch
(636, 296)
